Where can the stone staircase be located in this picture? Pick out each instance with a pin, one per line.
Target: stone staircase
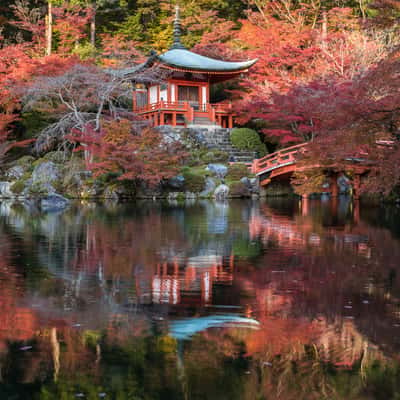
(219, 139)
(202, 121)
(214, 138)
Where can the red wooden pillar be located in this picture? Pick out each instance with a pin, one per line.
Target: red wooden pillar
(174, 119)
(161, 118)
(230, 122)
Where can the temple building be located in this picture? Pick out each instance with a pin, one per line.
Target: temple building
(183, 99)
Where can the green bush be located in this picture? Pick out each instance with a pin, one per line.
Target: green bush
(194, 180)
(244, 248)
(215, 156)
(237, 171)
(248, 139)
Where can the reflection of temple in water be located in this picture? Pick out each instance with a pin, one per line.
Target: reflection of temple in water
(190, 283)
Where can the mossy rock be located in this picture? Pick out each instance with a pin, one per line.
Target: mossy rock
(57, 157)
(19, 185)
(248, 139)
(238, 189)
(237, 171)
(25, 162)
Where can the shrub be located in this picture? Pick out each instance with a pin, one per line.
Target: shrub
(244, 248)
(194, 181)
(215, 156)
(238, 189)
(248, 139)
(237, 171)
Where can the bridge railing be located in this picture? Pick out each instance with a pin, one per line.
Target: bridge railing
(279, 158)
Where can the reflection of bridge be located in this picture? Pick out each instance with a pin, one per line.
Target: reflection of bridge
(287, 232)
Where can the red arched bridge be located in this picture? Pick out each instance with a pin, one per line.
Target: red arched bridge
(279, 163)
(283, 163)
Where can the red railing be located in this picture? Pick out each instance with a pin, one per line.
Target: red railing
(164, 105)
(185, 106)
(278, 159)
(224, 107)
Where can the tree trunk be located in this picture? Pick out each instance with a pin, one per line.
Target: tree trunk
(324, 28)
(93, 26)
(49, 29)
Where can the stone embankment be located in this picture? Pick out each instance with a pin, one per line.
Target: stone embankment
(215, 170)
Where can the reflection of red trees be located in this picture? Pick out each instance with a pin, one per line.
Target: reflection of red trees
(16, 323)
(323, 286)
(118, 248)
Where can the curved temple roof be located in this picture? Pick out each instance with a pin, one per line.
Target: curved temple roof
(185, 59)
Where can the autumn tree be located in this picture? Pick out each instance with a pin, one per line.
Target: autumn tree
(133, 155)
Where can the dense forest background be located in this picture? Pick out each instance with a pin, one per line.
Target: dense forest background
(327, 72)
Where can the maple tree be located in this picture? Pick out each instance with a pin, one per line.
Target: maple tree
(133, 156)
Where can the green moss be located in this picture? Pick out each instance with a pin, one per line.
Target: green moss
(57, 157)
(248, 139)
(25, 162)
(18, 186)
(237, 171)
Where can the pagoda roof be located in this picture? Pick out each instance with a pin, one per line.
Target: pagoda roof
(187, 60)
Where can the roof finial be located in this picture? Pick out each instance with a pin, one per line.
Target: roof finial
(177, 31)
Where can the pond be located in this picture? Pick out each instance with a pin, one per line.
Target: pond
(240, 300)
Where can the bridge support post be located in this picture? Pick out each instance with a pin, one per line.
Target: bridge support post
(356, 211)
(356, 186)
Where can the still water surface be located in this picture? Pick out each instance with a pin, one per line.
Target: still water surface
(239, 300)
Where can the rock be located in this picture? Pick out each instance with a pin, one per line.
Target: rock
(116, 192)
(190, 195)
(37, 189)
(172, 196)
(198, 135)
(15, 172)
(53, 202)
(5, 190)
(149, 192)
(46, 172)
(177, 182)
(246, 182)
(110, 192)
(221, 192)
(209, 187)
(220, 170)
